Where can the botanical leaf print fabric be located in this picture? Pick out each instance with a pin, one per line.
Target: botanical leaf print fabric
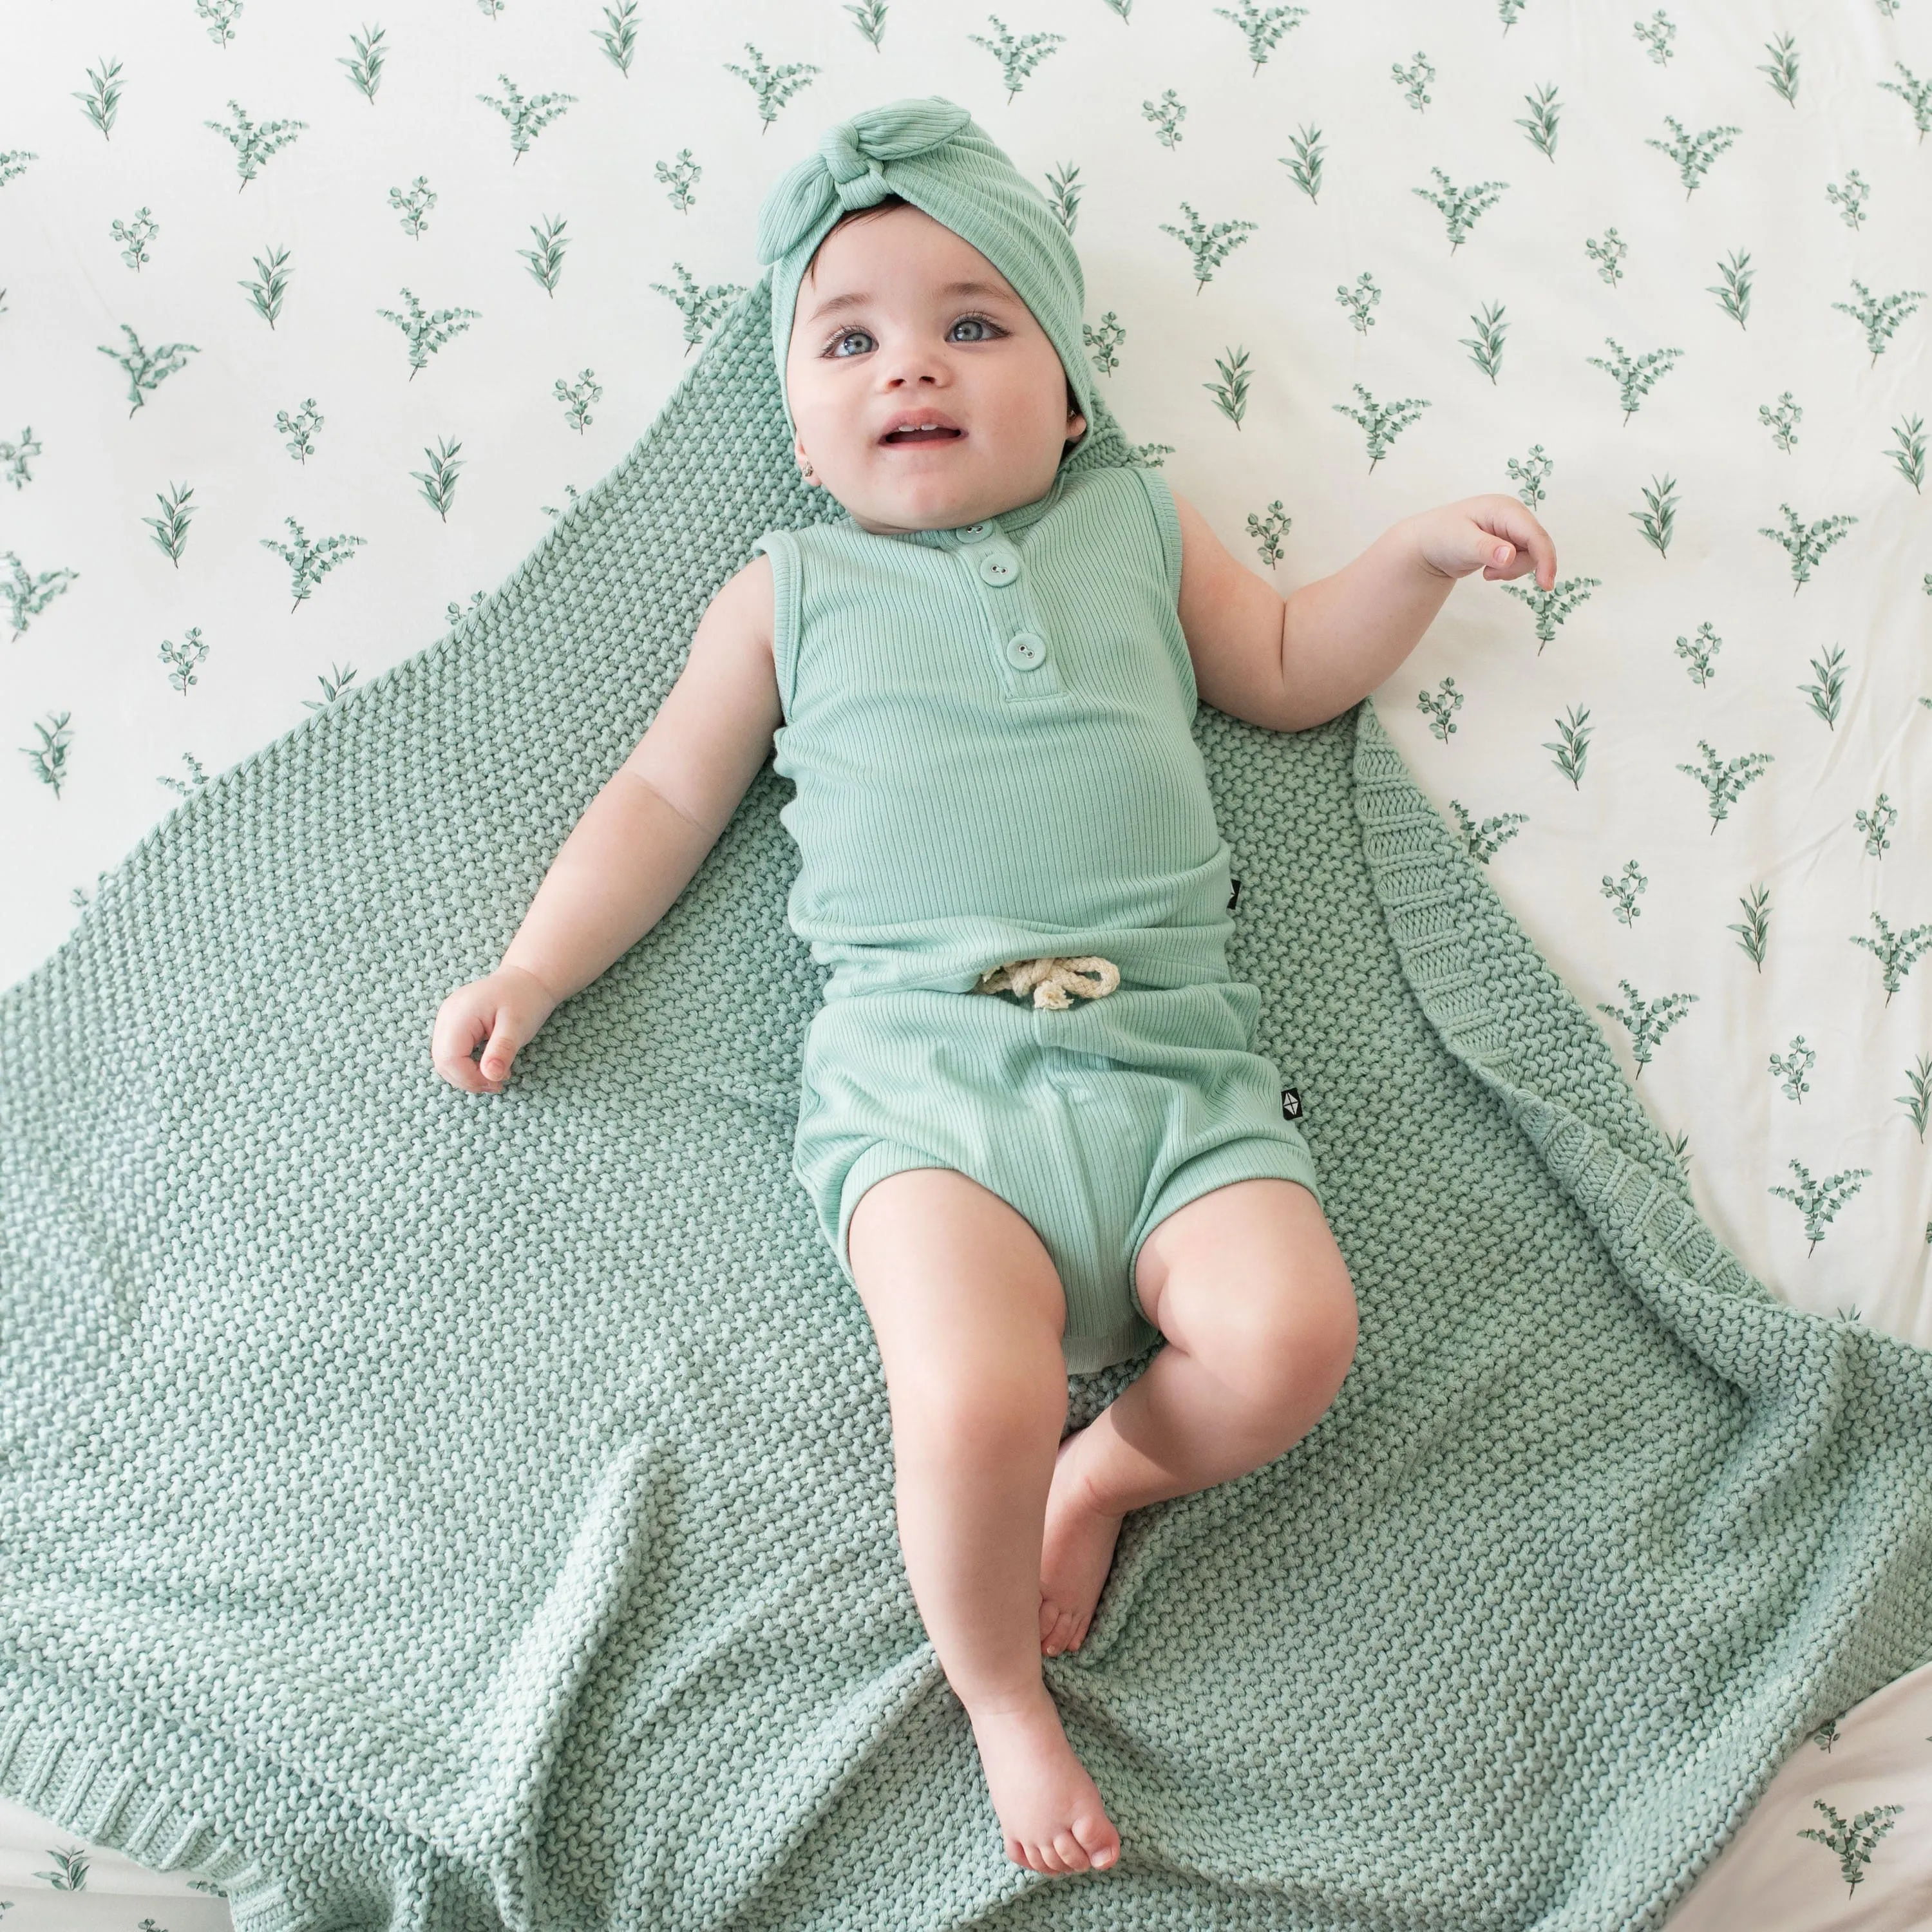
(309, 322)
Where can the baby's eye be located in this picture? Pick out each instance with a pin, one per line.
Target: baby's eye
(986, 322)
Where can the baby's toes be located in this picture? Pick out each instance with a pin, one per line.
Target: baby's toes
(1098, 1838)
(1072, 1853)
(1057, 1631)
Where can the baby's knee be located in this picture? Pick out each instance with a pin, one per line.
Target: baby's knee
(981, 1404)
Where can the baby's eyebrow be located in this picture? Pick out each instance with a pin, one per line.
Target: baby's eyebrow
(834, 303)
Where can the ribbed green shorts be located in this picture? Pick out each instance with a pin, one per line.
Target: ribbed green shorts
(1095, 1123)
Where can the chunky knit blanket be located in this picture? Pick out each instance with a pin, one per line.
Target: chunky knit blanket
(440, 1511)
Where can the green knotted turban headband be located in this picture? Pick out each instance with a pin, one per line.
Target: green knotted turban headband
(932, 154)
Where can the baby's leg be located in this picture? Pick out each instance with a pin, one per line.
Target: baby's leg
(1249, 1288)
(968, 1311)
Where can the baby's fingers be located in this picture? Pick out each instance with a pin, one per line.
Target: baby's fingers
(452, 1045)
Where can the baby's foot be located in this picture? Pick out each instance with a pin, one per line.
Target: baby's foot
(1075, 1557)
(1050, 1810)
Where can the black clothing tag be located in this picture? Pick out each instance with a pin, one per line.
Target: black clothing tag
(1291, 1103)
(1234, 897)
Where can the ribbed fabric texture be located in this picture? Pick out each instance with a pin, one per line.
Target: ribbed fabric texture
(961, 800)
(436, 1510)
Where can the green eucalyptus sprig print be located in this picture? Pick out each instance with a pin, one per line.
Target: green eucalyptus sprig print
(1268, 532)
(253, 144)
(1483, 842)
(26, 595)
(1167, 114)
(1722, 781)
(1658, 519)
(1209, 246)
(1064, 188)
(1700, 652)
(576, 398)
(1910, 456)
(184, 659)
(1262, 28)
(1231, 393)
(439, 480)
(1876, 826)
(220, 15)
(1828, 694)
(197, 777)
(102, 101)
(1305, 169)
(1531, 474)
(1753, 931)
(1879, 316)
(13, 163)
(526, 117)
(1359, 300)
(147, 369)
(134, 236)
(48, 761)
(16, 456)
(1791, 1067)
(1896, 952)
(1539, 129)
(1552, 606)
(619, 40)
(1850, 200)
(365, 70)
(1485, 346)
(1806, 544)
(1917, 95)
(338, 680)
(1017, 58)
(1440, 706)
(1623, 892)
(308, 562)
(1572, 744)
(679, 179)
(1382, 423)
(1635, 378)
(1783, 421)
(1734, 293)
(701, 307)
(1608, 254)
(1647, 1023)
(1415, 79)
(1693, 153)
(1657, 36)
(414, 206)
(1917, 1102)
(869, 17)
(546, 259)
(1819, 1202)
(427, 333)
(1460, 206)
(1103, 341)
(266, 292)
(170, 527)
(300, 429)
(1782, 72)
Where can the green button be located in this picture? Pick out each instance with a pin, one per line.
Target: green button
(1025, 648)
(1000, 566)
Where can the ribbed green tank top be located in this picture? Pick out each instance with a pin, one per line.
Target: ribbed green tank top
(988, 731)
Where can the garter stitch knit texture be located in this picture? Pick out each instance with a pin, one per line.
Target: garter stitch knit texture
(447, 1512)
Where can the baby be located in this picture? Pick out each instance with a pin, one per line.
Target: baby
(981, 680)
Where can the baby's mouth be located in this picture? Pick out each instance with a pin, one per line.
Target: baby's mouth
(899, 436)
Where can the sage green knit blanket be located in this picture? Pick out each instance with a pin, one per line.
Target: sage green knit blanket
(434, 1510)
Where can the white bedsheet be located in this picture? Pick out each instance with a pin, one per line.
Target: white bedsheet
(158, 638)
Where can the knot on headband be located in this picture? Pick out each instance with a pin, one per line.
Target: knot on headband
(929, 151)
(852, 169)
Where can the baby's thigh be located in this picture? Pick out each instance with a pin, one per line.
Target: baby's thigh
(960, 1290)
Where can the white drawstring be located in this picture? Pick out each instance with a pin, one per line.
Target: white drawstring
(1050, 980)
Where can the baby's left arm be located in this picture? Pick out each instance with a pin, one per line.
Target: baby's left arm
(1291, 664)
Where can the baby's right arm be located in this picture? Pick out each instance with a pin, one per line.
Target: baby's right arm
(639, 841)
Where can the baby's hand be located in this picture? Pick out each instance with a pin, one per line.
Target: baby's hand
(503, 1010)
(1495, 535)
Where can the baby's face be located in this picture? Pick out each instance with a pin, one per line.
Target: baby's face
(877, 333)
